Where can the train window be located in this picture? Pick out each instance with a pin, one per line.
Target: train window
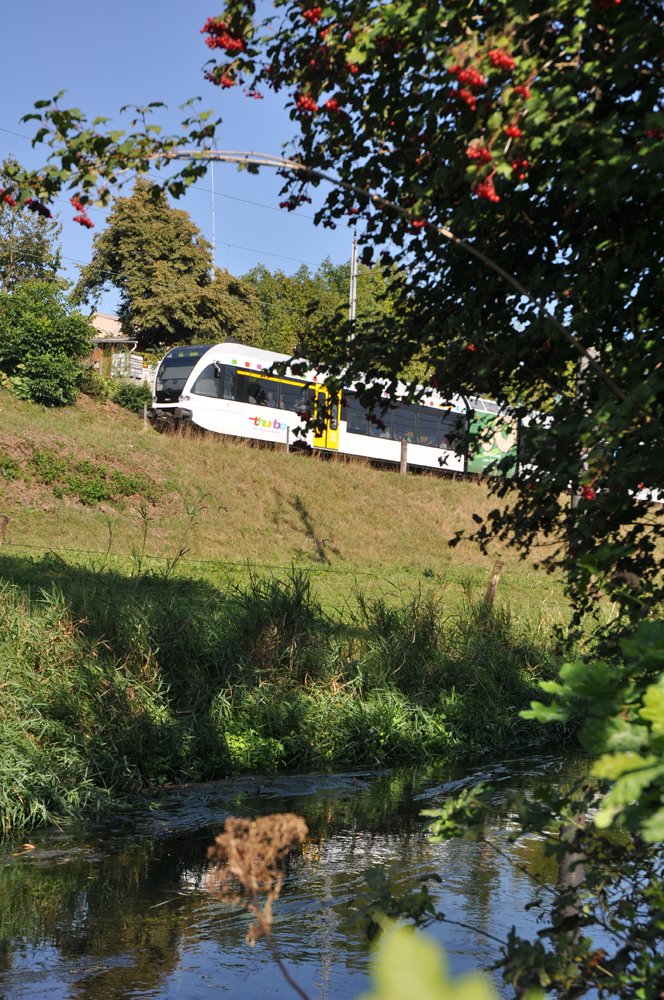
(452, 432)
(250, 388)
(226, 376)
(404, 423)
(208, 384)
(427, 427)
(354, 414)
(293, 397)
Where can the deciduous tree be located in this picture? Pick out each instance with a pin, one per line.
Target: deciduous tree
(162, 266)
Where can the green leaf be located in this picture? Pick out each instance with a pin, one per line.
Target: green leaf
(410, 966)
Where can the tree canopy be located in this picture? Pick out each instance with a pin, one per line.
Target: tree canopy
(298, 311)
(162, 266)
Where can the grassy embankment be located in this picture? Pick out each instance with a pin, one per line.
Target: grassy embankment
(316, 618)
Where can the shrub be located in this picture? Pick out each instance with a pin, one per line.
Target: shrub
(41, 340)
(93, 384)
(49, 379)
(131, 395)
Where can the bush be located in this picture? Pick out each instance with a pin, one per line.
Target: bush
(50, 379)
(41, 341)
(131, 395)
(93, 384)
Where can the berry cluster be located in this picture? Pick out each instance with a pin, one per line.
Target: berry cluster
(523, 90)
(468, 77)
(485, 189)
(502, 59)
(467, 97)
(333, 106)
(313, 15)
(306, 104)
(479, 153)
(220, 36)
(294, 202)
(513, 131)
(588, 492)
(82, 218)
(520, 167)
(7, 199)
(38, 206)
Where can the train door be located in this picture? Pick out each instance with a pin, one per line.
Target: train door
(326, 418)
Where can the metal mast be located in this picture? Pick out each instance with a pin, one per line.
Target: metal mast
(352, 301)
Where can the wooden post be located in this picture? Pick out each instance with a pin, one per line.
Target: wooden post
(287, 445)
(4, 521)
(403, 468)
(493, 585)
(145, 416)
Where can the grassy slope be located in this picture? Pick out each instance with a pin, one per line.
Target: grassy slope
(356, 528)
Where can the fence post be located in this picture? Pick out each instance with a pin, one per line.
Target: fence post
(493, 585)
(145, 416)
(403, 468)
(4, 521)
(287, 445)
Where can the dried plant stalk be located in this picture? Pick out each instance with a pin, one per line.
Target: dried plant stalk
(253, 853)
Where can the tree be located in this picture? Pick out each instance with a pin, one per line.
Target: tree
(298, 311)
(41, 342)
(510, 162)
(28, 244)
(162, 265)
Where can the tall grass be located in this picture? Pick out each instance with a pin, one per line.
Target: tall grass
(115, 683)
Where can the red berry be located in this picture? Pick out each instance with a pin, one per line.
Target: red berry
(486, 189)
(467, 97)
(313, 15)
(513, 131)
(306, 104)
(333, 106)
(476, 151)
(502, 59)
(588, 493)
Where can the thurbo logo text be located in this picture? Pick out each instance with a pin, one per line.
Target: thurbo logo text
(270, 425)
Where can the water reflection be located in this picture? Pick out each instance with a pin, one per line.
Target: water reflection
(121, 910)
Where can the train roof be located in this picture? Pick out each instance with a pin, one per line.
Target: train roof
(257, 359)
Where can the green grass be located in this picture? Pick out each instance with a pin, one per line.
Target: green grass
(113, 684)
(86, 480)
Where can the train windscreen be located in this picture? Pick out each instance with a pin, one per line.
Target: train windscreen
(174, 371)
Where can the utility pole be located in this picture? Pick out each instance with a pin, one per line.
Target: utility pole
(214, 230)
(352, 300)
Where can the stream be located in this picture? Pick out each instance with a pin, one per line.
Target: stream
(120, 908)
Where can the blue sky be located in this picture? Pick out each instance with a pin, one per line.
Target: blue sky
(108, 55)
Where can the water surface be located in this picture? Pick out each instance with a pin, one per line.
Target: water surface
(121, 908)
